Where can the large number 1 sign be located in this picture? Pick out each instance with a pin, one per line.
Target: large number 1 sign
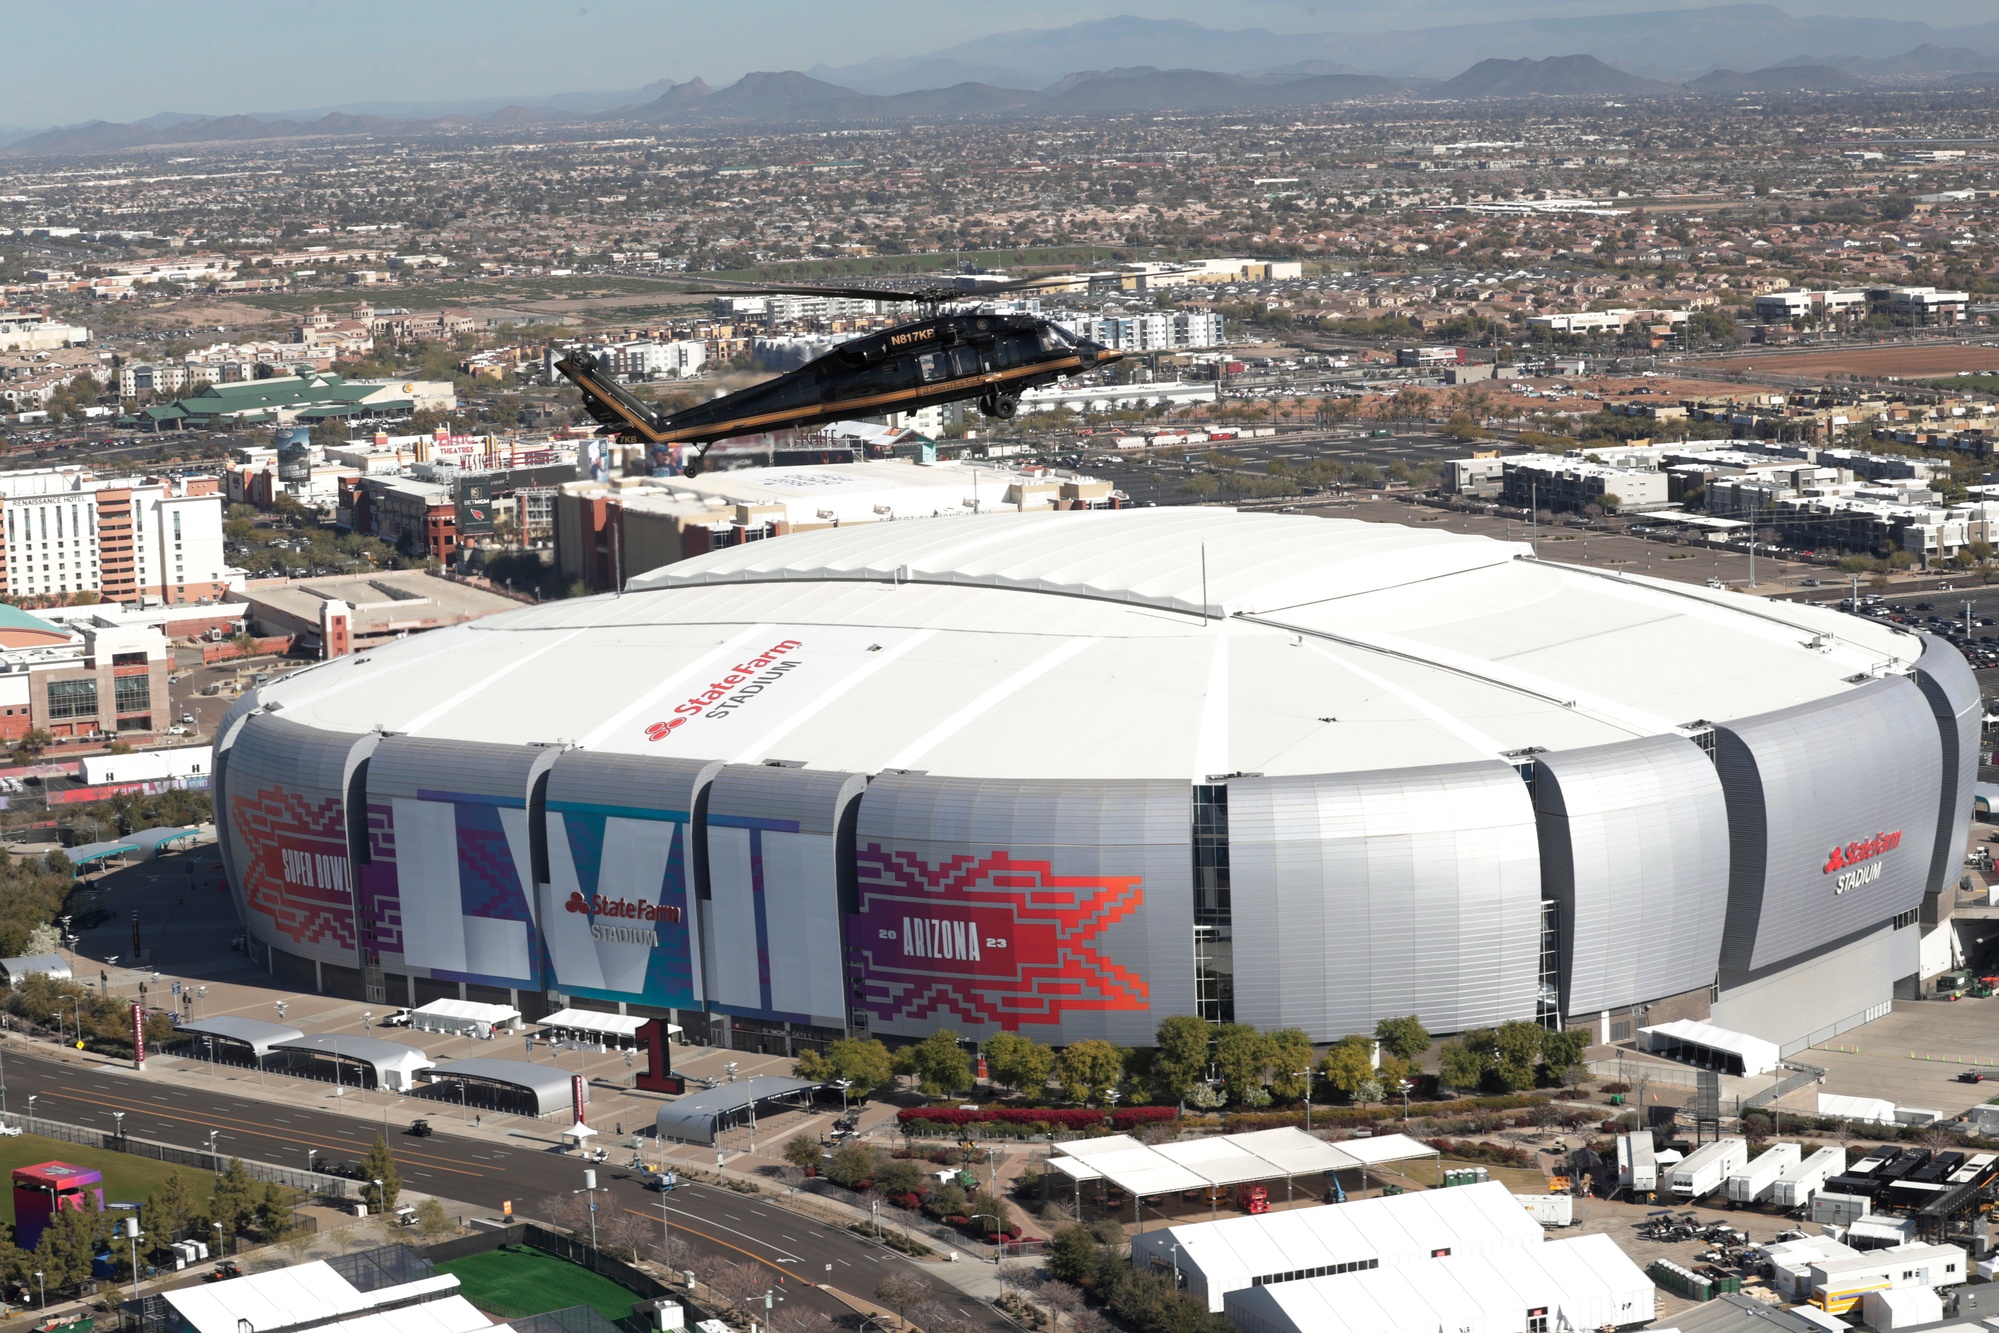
(658, 1075)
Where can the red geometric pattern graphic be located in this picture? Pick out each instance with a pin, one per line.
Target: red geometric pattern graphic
(989, 939)
(296, 870)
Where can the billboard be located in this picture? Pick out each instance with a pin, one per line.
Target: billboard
(619, 911)
(475, 506)
(294, 446)
(285, 824)
(449, 877)
(1062, 909)
(770, 924)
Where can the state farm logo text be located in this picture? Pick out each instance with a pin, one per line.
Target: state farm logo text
(1846, 860)
(599, 907)
(744, 682)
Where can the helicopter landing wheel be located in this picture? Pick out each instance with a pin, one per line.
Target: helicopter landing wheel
(1002, 406)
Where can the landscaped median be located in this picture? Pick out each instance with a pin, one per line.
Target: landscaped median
(1026, 1121)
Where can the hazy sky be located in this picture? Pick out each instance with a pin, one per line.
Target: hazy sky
(126, 59)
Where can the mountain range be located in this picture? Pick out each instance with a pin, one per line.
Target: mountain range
(1130, 65)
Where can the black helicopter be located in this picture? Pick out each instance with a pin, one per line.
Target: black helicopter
(939, 358)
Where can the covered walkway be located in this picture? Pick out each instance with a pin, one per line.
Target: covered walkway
(232, 1040)
(360, 1062)
(701, 1116)
(510, 1087)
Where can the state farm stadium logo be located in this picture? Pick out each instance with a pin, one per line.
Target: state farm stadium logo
(988, 939)
(743, 682)
(1847, 861)
(597, 907)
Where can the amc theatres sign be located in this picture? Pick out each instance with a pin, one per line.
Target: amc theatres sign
(1850, 861)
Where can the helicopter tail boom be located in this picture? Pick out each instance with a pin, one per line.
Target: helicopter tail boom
(606, 401)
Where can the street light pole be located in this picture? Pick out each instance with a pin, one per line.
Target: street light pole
(1306, 1074)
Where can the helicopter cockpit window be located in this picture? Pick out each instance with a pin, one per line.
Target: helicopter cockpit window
(1055, 338)
(933, 366)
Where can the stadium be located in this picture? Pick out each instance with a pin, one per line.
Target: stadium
(1070, 773)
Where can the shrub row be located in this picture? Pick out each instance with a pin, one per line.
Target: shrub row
(1075, 1117)
(1469, 1151)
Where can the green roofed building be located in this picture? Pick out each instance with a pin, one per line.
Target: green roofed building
(284, 399)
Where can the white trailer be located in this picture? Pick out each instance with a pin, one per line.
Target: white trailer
(1753, 1183)
(1550, 1210)
(1637, 1171)
(1800, 1184)
(1702, 1173)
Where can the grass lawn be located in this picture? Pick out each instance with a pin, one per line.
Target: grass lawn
(512, 1283)
(127, 1179)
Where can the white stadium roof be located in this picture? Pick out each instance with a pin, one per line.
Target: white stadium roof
(1203, 640)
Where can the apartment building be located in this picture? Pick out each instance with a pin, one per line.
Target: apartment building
(32, 331)
(1799, 306)
(93, 678)
(65, 531)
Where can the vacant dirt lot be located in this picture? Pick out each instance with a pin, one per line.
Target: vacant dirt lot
(1872, 362)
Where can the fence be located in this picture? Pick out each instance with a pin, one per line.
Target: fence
(1636, 1072)
(1800, 1076)
(905, 1219)
(312, 1182)
(579, 1251)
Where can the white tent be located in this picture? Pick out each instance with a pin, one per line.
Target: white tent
(1215, 1258)
(1711, 1047)
(481, 1020)
(594, 1026)
(1874, 1110)
(1579, 1283)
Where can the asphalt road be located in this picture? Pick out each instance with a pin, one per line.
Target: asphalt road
(475, 1171)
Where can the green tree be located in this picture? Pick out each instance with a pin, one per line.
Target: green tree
(380, 1164)
(1241, 1055)
(939, 1064)
(865, 1063)
(1517, 1053)
(1562, 1053)
(1460, 1065)
(1089, 1069)
(852, 1163)
(801, 1151)
(432, 1222)
(1348, 1064)
(1181, 1061)
(168, 1211)
(1074, 1255)
(274, 1211)
(899, 1175)
(1405, 1038)
(235, 1201)
(1018, 1062)
(1290, 1054)
(68, 1244)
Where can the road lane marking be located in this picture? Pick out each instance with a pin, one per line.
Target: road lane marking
(205, 1124)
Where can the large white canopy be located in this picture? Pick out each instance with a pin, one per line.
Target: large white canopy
(1385, 1148)
(1227, 1159)
(1705, 1043)
(462, 1016)
(599, 1022)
